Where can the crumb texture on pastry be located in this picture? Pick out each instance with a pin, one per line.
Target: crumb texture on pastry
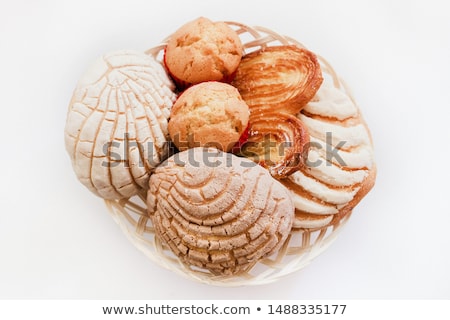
(116, 129)
(203, 50)
(218, 211)
(208, 114)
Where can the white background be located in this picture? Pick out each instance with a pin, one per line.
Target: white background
(58, 241)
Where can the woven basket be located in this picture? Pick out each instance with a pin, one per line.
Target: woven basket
(302, 245)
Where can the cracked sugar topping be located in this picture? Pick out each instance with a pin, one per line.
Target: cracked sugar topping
(116, 129)
(222, 217)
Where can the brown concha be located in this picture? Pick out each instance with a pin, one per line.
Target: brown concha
(217, 211)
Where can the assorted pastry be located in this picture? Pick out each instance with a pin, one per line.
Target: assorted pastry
(208, 114)
(117, 124)
(233, 150)
(203, 50)
(223, 214)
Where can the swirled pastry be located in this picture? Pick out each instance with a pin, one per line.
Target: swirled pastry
(278, 142)
(217, 211)
(278, 79)
(340, 168)
(116, 129)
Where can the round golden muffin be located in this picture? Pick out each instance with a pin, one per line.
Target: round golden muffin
(208, 114)
(202, 50)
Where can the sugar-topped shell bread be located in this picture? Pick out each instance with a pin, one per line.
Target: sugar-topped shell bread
(116, 129)
(217, 211)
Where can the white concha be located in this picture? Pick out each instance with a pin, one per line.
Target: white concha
(116, 129)
(340, 165)
(217, 211)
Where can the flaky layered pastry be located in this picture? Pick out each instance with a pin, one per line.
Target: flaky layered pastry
(116, 129)
(278, 142)
(340, 168)
(279, 78)
(217, 211)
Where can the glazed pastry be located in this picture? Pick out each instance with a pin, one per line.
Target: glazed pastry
(278, 142)
(217, 211)
(203, 50)
(116, 129)
(340, 168)
(208, 114)
(278, 79)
